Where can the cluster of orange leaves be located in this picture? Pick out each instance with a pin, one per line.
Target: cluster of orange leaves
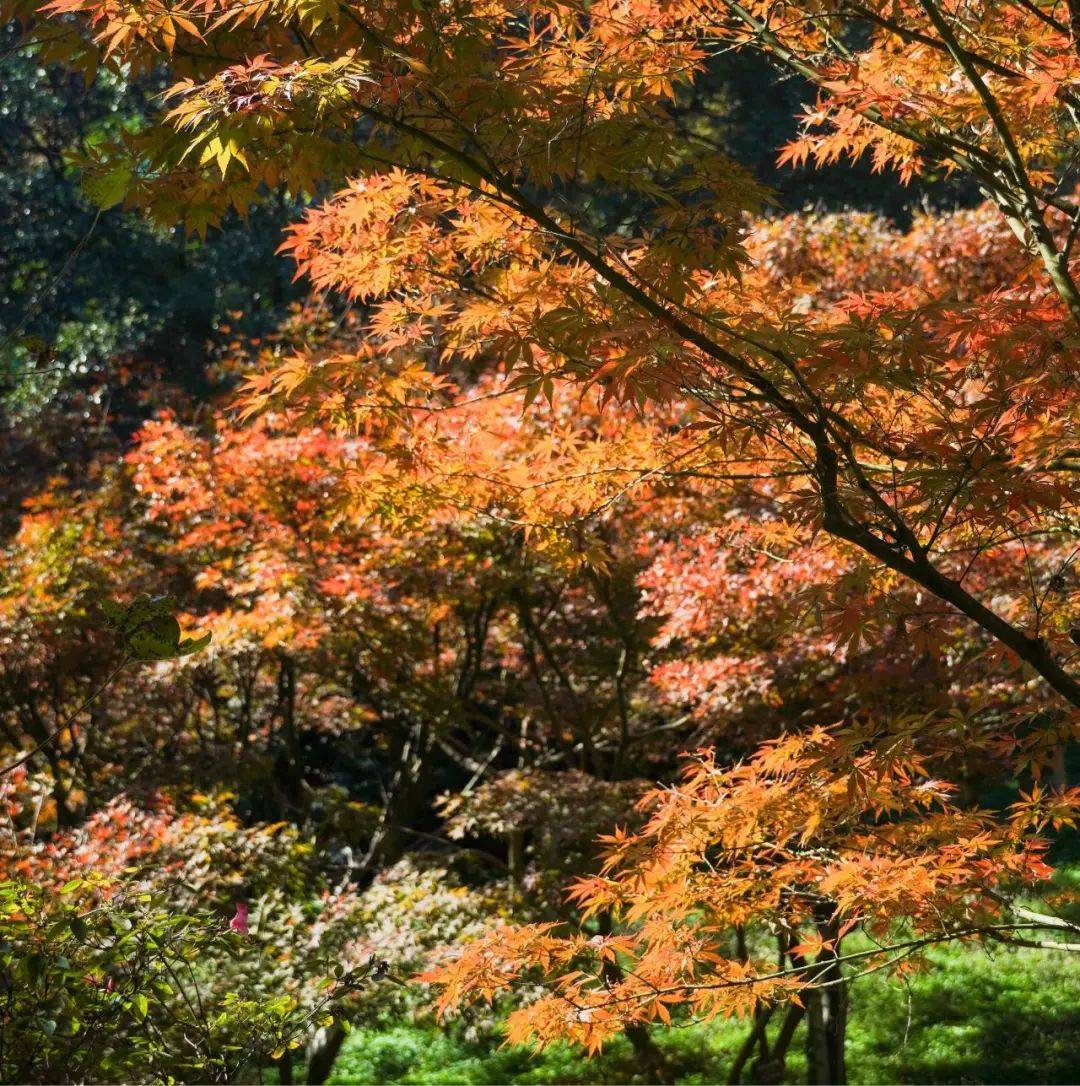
(808, 821)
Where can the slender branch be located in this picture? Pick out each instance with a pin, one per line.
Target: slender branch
(1056, 265)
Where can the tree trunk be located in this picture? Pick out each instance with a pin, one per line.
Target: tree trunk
(289, 768)
(406, 791)
(284, 1065)
(322, 1051)
(515, 859)
(771, 1063)
(649, 1058)
(825, 998)
(826, 1020)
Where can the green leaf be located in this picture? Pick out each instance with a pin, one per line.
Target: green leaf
(34, 965)
(108, 187)
(114, 615)
(191, 645)
(149, 629)
(157, 638)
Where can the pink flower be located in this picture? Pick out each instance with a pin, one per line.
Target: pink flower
(240, 921)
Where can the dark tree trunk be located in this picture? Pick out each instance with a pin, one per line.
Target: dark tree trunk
(322, 1051)
(285, 1068)
(826, 1020)
(406, 791)
(771, 1061)
(649, 1058)
(825, 998)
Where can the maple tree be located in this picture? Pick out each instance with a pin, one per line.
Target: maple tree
(852, 450)
(901, 411)
(777, 630)
(803, 838)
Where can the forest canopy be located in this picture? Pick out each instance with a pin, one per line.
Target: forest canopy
(547, 521)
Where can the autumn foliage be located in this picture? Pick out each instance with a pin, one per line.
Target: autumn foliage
(579, 457)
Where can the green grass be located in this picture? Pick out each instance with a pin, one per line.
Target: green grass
(410, 1054)
(1012, 1016)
